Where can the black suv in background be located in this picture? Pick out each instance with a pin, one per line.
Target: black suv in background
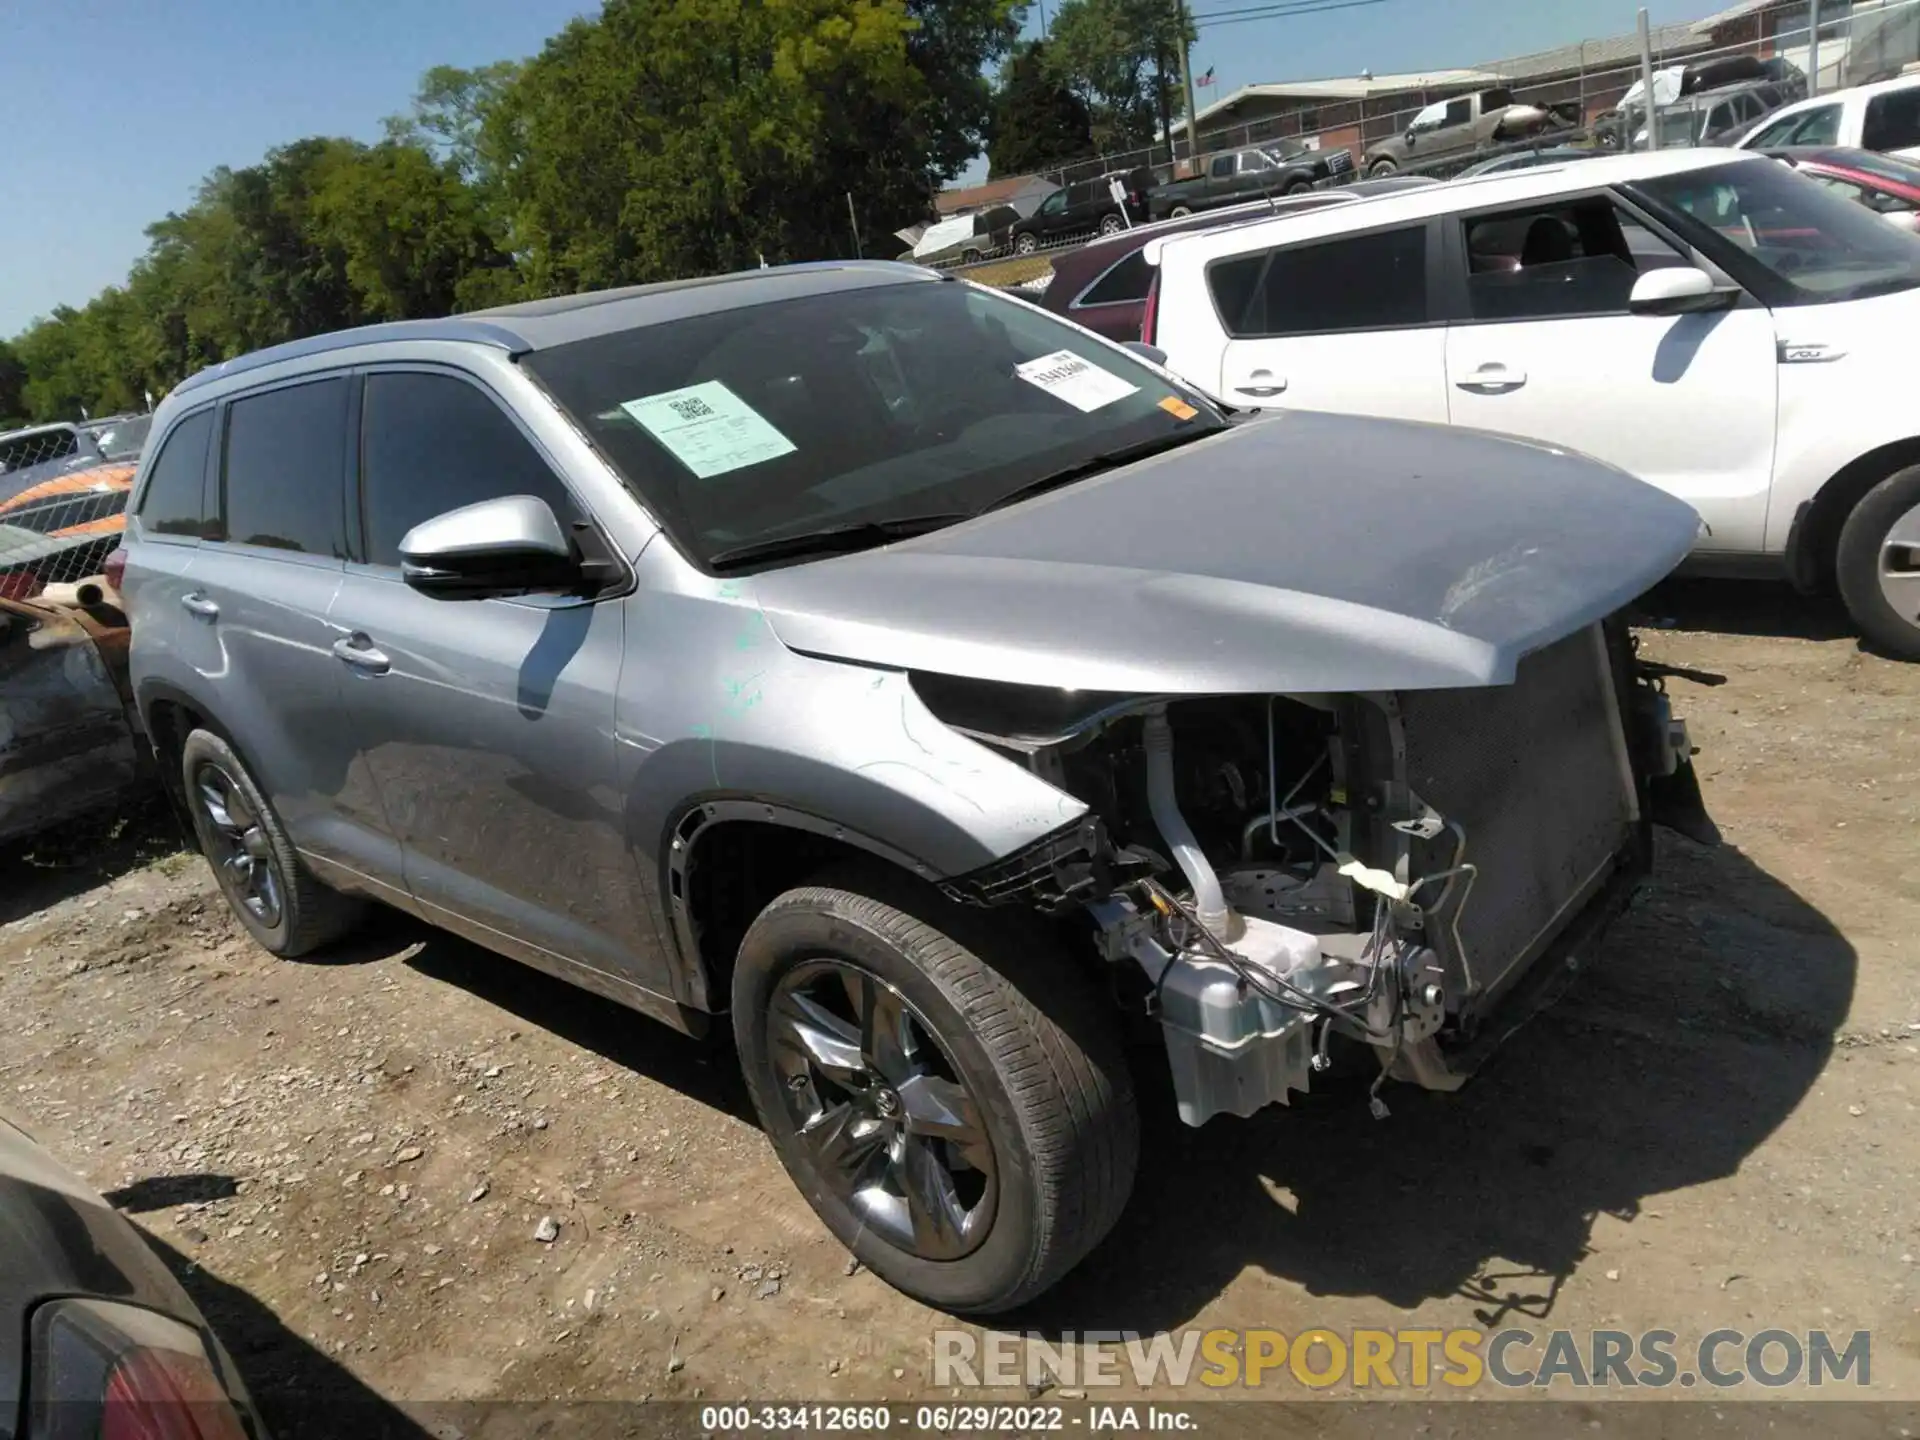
(1086, 207)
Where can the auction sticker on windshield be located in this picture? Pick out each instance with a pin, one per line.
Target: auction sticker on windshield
(1080, 383)
(708, 428)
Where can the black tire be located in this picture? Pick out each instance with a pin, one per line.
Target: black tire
(1111, 224)
(1300, 187)
(1025, 244)
(1858, 562)
(307, 914)
(1180, 212)
(1381, 167)
(1031, 1041)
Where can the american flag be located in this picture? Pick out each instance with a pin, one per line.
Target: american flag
(1206, 79)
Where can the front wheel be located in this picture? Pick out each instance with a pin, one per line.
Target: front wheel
(1111, 224)
(1300, 187)
(948, 1094)
(1382, 167)
(1878, 564)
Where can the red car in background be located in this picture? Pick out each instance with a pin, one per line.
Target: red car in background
(1103, 285)
(1885, 184)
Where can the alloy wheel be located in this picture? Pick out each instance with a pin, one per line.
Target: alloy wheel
(1899, 569)
(881, 1110)
(243, 857)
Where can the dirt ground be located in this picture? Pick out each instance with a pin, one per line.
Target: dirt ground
(347, 1159)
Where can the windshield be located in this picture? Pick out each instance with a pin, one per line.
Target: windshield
(878, 404)
(1792, 240)
(122, 439)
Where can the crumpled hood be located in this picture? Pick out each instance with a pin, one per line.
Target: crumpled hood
(1294, 552)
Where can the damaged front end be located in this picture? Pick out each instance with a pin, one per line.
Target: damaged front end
(1417, 871)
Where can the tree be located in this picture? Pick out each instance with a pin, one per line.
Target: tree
(667, 138)
(449, 109)
(1037, 122)
(1120, 57)
(13, 377)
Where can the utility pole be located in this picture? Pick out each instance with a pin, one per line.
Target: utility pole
(1646, 85)
(1186, 79)
(1813, 47)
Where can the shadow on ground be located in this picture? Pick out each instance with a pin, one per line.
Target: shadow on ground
(1707, 1015)
(704, 1070)
(43, 870)
(1743, 607)
(301, 1392)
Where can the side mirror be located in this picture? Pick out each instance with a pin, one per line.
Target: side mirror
(1412, 134)
(1148, 352)
(1676, 290)
(507, 546)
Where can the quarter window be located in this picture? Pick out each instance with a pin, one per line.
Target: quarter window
(1816, 127)
(284, 471)
(1363, 282)
(1124, 282)
(432, 443)
(172, 503)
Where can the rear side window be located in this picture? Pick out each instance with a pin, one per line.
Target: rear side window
(433, 443)
(172, 502)
(284, 472)
(1125, 282)
(1892, 121)
(1366, 282)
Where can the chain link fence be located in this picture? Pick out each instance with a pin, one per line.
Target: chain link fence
(62, 509)
(1580, 86)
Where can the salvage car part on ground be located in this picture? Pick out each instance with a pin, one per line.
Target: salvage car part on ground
(926, 688)
(67, 744)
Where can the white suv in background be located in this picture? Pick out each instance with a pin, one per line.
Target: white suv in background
(1708, 320)
(1884, 116)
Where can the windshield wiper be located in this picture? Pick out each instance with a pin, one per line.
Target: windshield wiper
(854, 535)
(1093, 465)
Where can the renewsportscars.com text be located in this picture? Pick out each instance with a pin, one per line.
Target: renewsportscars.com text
(1320, 1359)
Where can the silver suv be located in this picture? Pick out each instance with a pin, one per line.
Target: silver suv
(944, 692)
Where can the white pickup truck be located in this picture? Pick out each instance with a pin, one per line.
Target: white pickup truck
(1707, 320)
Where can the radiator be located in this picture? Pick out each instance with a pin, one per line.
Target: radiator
(1537, 774)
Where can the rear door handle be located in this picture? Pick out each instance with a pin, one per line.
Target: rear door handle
(1262, 383)
(198, 604)
(359, 652)
(1492, 377)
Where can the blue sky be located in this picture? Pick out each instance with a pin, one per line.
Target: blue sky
(117, 108)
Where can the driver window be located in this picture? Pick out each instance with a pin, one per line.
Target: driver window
(1567, 259)
(1458, 112)
(431, 443)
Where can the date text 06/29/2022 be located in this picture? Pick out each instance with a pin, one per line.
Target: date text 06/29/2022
(957, 1418)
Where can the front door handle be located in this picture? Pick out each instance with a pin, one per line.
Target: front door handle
(359, 652)
(1493, 378)
(1262, 383)
(198, 604)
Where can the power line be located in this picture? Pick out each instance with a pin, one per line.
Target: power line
(1217, 18)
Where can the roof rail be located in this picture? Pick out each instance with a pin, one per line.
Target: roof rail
(475, 332)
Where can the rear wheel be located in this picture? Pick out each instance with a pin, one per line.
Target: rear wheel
(1382, 167)
(1025, 244)
(1111, 224)
(1878, 564)
(271, 892)
(1179, 212)
(947, 1093)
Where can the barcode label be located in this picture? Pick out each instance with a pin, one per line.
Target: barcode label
(691, 408)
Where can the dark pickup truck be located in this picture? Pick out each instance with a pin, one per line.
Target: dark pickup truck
(1250, 174)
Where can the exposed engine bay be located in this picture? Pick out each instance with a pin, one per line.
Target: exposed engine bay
(1415, 870)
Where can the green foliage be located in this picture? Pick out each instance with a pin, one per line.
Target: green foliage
(1122, 57)
(1037, 122)
(660, 139)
